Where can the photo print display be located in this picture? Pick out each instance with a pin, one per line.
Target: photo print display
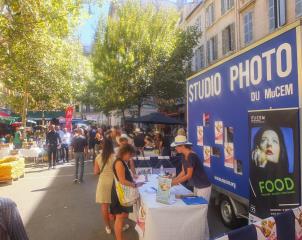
(229, 134)
(238, 167)
(229, 155)
(207, 152)
(218, 132)
(206, 119)
(200, 135)
(216, 152)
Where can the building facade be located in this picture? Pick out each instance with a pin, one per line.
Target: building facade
(230, 25)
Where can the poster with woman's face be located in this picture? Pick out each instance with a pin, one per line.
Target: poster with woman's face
(200, 135)
(207, 151)
(266, 229)
(274, 162)
(229, 155)
(218, 132)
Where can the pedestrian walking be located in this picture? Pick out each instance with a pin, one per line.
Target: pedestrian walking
(98, 141)
(17, 140)
(79, 145)
(103, 168)
(52, 142)
(92, 141)
(123, 175)
(66, 141)
(59, 148)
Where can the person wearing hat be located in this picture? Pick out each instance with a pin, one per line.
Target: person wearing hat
(139, 141)
(192, 168)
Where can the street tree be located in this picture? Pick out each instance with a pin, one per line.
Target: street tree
(38, 59)
(131, 53)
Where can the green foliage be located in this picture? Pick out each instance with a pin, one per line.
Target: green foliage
(37, 56)
(132, 53)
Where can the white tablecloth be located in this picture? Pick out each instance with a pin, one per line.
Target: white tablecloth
(172, 222)
(31, 153)
(4, 152)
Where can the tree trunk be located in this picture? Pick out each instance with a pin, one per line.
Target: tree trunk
(139, 108)
(24, 109)
(123, 117)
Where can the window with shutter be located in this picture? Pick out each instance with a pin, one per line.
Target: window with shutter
(277, 13)
(248, 27)
(224, 41)
(232, 40)
(226, 5)
(271, 12)
(215, 47)
(202, 58)
(208, 52)
(210, 15)
(222, 7)
(298, 8)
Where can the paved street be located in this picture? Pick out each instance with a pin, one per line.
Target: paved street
(52, 207)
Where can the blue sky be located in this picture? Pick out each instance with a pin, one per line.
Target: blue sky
(89, 25)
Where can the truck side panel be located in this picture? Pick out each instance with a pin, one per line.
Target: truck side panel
(265, 77)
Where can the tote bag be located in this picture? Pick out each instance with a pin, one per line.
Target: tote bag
(127, 196)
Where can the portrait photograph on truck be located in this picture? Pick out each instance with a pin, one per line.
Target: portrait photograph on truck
(243, 116)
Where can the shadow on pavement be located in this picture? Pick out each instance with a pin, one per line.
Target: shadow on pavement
(68, 210)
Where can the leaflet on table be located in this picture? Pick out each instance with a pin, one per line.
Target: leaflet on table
(140, 179)
(164, 190)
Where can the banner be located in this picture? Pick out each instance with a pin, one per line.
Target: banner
(219, 99)
(68, 117)
(274, 162)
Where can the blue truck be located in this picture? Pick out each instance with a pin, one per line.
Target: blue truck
(264, 76)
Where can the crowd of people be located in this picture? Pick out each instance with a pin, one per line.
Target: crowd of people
(115, 163)
(112, 151)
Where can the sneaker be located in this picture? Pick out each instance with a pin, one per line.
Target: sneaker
(126, 227)
(81, 181)
(75, 180)
(108, 230)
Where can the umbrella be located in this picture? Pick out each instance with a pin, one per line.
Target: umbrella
(155, 118)
(4, 114)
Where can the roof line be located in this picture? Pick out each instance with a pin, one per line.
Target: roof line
(194, 9)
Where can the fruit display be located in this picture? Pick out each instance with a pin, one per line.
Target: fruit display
(11, 167)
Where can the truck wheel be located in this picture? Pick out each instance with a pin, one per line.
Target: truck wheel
(227, 213)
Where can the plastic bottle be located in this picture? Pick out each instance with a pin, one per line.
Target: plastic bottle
(161, 171)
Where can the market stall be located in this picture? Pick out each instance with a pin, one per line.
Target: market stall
(34, 152)
(5, 149)
(11, 168)
(177, 220)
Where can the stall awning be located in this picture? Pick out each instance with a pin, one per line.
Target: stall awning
(38, 115)
(7, 120)
(155, 118)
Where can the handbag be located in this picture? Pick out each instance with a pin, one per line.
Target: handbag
(127, 196)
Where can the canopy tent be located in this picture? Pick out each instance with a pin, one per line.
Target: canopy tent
(4, 114)
(28, 122)
(7, 120)
(47, 115)
(155, 118)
